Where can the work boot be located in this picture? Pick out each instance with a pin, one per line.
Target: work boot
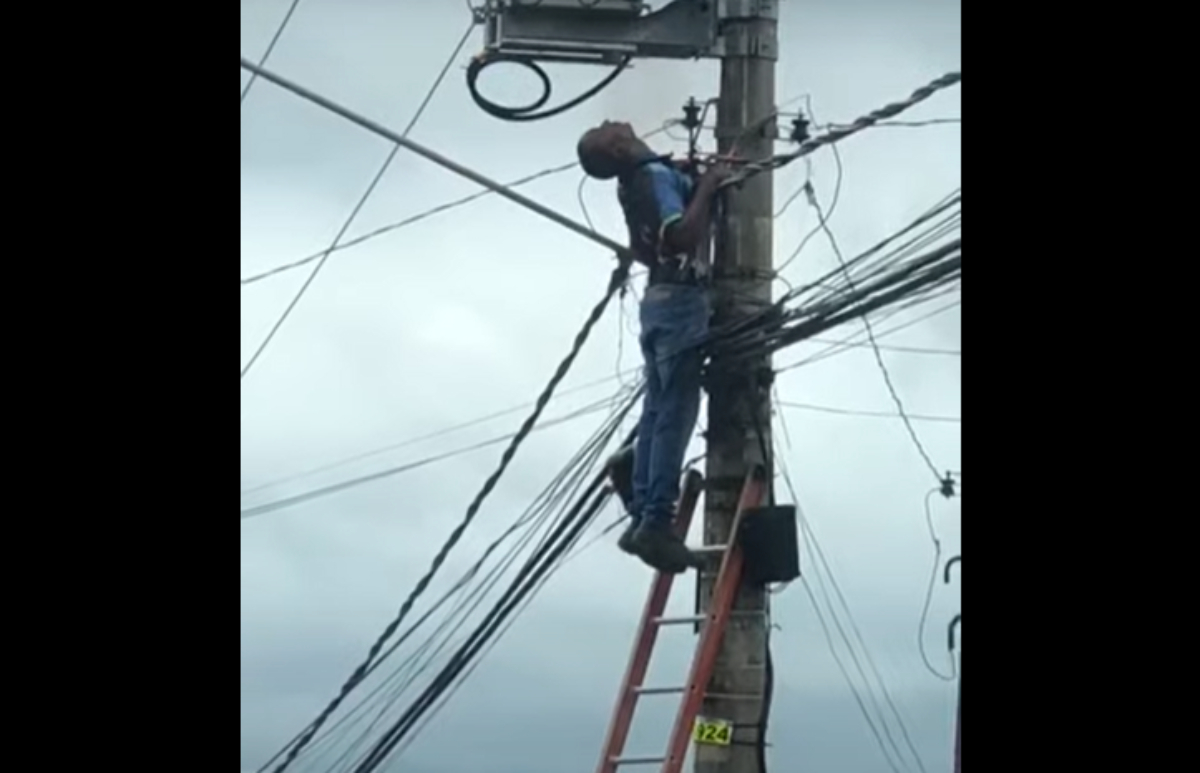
(625, 541)
(659, 547)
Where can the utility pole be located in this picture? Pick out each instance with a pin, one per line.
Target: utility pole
(739, 400)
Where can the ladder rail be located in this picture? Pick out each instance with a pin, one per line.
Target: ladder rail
(720, 607)
(647, 634)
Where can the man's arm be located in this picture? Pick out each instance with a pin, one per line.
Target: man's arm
(664, 220)
(684, 232)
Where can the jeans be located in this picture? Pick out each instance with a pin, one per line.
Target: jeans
(674, 319)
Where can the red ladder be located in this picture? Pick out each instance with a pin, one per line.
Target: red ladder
(728, 579)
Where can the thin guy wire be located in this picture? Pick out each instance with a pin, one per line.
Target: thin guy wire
(270, 47)
(615, 281)
(362, 200)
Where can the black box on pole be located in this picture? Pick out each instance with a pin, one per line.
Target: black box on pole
(770, 544)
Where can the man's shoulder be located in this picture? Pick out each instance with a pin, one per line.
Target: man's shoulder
(652, 178)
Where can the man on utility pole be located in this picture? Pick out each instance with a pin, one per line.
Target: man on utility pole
(739, 405)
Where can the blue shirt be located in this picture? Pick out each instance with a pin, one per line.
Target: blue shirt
(654, 196)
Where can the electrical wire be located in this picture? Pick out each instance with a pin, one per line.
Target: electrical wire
(440, 433)
(844, 130)
(789, 322)
(822, 218)
(584, 460)
(888, 274)
(883, 747)
(560, 488)
(933, 573)
(919, 124)
(888, 286)
(567, 485)
(270, 47)
(531, 112)
(898, 349)
(834, 348)
(384, 230)
(840, 347)
(361, 201)
(818, 561)
(571, 544)
(883, 369)
(565, 534)
(871, 414)
(615, 281)
(446, 207)
(389, 472)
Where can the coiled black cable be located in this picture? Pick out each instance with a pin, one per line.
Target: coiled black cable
(533, 111)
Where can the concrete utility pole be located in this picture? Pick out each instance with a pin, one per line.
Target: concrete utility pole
(742, 264)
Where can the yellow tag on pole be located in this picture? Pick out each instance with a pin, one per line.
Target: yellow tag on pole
(714, 732)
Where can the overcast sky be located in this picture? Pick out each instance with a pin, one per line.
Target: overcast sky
(468, 313)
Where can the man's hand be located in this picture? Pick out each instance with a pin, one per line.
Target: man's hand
(711, 181)
(718, 173)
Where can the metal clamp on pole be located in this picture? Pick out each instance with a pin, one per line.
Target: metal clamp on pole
(748, 9)
(751, 43)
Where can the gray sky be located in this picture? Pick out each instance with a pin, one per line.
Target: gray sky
(468, 313)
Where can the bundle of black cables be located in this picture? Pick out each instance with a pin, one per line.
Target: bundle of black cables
(532, 111)
(564, 536)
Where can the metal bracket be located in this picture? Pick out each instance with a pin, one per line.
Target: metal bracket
(608, 32)
(741, 41)
(747, 9)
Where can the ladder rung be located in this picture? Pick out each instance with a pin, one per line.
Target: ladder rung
(716, 696)
(637, 760)
(693, 619)
(679, 620)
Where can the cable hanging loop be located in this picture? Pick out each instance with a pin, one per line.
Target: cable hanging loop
(532, 111)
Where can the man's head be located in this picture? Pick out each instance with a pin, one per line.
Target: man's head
(607, 149)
